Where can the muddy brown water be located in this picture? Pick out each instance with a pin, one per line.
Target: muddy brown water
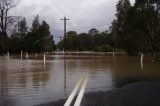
(31, 82)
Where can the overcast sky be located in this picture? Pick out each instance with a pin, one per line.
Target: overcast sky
(83, 14)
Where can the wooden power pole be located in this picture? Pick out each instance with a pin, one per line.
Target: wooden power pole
(65, 20)
(65, 77)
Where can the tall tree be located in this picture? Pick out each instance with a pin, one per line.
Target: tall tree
(17, 40)
(22, 28)
(124, 28)
(35, 24)
(5, 19)
(33, 38)
(45, 38)
(150, 14)
(93, 31)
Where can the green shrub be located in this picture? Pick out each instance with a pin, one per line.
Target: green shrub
(103, 48)
(158, 57)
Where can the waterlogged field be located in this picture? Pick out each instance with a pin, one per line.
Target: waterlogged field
(28, 82)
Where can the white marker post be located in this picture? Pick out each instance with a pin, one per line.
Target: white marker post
(8, 55)
(102, 53)
(77, 52)
(44, 59)
(113, 55)
(142, 56)
(63, 52)
(36, 55)
(21, 54)
(26, 55)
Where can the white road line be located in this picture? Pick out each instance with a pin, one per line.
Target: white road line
(74, 92)
(81, 93)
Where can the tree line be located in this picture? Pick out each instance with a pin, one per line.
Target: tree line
(135, 29)
(38, 38)
(91, 41)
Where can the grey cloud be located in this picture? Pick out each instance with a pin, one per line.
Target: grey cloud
(83, 14)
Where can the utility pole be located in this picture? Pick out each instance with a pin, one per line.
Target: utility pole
(65, 20)
(65, 77)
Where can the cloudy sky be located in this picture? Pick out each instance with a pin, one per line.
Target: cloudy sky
(83, 14)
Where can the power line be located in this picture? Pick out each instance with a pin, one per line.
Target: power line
(62, 12)
(58, 8)
(87, 27)
(79, 29)
(50, 7)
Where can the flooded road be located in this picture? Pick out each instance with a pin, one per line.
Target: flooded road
(28, 82)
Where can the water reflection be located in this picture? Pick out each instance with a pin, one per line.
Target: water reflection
(141, 65)
(127, 71)
(29, 82)
(4, 92)
(65, 77)
(23, 78)
(3, 83)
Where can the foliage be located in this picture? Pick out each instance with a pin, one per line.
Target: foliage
(5, 7)
(86, 42)
(39, 39)
(103, 48)
(135, 29)
(141, 33)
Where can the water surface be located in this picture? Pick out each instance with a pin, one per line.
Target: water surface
(28, 82)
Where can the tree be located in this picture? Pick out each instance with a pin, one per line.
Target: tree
(18, 36)
(40, 38)
(5, 22)
(93, 31)
(33, 37)
(123, 27)
(71, 41)
(22, 28)
(141, 33)
(35, 24)
(84, 41)
(45, 38)
(5, 19)
(150, 14)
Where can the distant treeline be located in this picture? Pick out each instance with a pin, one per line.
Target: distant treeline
(135, 29)
(91, 41)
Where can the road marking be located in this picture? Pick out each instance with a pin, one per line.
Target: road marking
(74, 92)
(81, 93)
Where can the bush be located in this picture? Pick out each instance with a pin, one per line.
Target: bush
(103, 48)
(158, 57)
(118, 50)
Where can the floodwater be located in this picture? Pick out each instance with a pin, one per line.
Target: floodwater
(28, 82)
